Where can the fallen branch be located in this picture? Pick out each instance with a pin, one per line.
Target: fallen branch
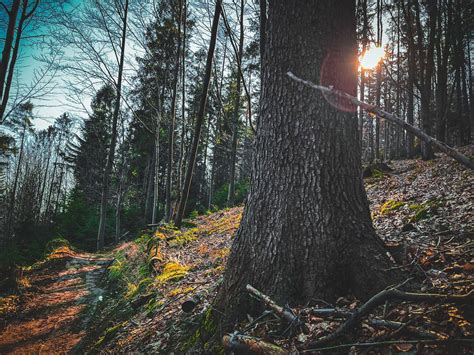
(373, 322)
(399, 325)
(328, 312)
(390, 294)
(392, 342)
(284, 313)
(461, 158)
(244, 344)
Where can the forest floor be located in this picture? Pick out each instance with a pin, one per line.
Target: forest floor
(56, 299)
(158, 290)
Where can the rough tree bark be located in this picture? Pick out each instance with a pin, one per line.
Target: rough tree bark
(306, 230)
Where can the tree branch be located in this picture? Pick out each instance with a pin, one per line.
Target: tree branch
(461, 158)
(385, 295)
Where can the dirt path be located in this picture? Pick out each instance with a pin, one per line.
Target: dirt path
(58, 298)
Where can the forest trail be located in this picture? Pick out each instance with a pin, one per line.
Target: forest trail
(58, 296)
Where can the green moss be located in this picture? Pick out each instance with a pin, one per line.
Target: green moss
(57, 243)
(134, 290)
(424, 210)
(391, 205)
(207, 328)
(109, 333)
(378, 174)
(181, 238)
(172, 272)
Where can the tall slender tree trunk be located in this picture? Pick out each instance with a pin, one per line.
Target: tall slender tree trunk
(45, 180)
(183, 104)
(377, 103)
(59, 189)
(466, 124)
(169, 169)
(113, 140)
(120, 194)
(14, 56)
(426, 71)
(410, 146)
(154, 213)
(11, 206)
(149, 172)
(118, 211)
(306, 230)
(8, 45)
(200, 117)
(362, 98)
(235, 115)
(470, 88)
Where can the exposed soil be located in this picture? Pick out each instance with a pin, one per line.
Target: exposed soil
(57, 297)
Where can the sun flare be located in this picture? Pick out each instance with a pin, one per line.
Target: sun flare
(371, 57)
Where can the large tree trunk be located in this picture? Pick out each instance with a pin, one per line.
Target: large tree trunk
(306, 230)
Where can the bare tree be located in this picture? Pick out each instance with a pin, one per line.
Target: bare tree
(11, 47)
(113, 140)
(200, 116)
(235, 116)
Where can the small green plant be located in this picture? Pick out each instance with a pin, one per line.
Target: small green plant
(109, 333)
(181, 238)
(424, 210)
(194, 214)
(116, 270)
(134, 290)
(153, 305)
(391, 205)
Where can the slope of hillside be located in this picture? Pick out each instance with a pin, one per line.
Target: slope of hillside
(160, 287)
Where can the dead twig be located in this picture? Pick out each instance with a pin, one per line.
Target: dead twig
(390, 294)
(285, 313)
(392, 342)
(244, 344)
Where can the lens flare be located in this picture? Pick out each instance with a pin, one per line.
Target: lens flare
(371, 57)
